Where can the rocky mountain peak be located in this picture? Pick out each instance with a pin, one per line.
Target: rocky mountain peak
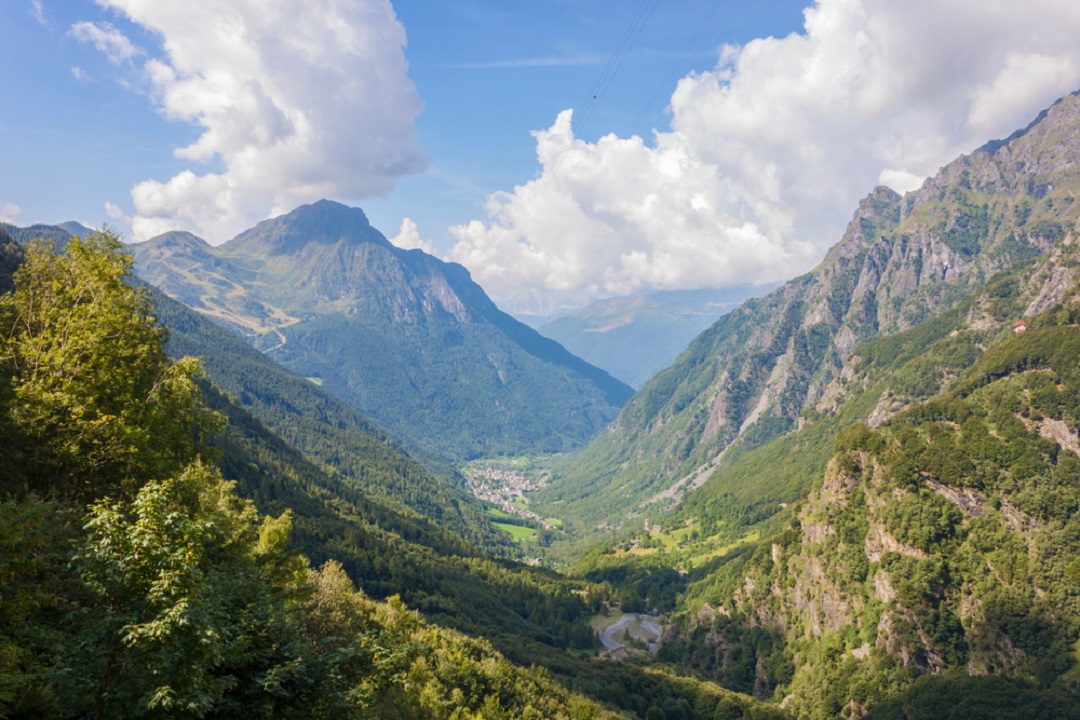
(177, 240)
(324, 222)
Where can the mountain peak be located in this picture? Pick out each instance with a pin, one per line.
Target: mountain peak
(330, 209)
(75, 228)
(177, 239)
(324, 222)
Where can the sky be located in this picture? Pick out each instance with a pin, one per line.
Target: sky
(562, 151)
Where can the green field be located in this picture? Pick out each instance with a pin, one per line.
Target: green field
(516, 531)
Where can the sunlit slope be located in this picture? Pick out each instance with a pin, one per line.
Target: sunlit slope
(941, 541)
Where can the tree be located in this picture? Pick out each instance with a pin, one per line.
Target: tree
(193, 597)
(92, 393)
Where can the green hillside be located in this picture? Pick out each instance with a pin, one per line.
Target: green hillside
(151, 587)
(904, 546)
(325, 429)
(942, 543)
(138, 582)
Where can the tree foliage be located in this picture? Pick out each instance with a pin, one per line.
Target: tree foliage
(92, 393)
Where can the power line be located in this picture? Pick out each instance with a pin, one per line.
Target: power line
(618, 57)
(678, 63)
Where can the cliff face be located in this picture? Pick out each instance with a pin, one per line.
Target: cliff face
(903, 260)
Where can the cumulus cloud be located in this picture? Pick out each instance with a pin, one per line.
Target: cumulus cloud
(9, 212)
(768, 153)
(297, 101)
(408, 238)
(108, 40)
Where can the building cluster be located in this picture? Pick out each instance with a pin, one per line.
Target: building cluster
(502, 486)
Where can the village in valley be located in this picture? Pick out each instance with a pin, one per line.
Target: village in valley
(504, 483)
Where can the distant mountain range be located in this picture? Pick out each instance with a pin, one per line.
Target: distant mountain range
(401, 336)
(635, 336)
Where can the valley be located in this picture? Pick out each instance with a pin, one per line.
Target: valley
(312, 473)
(630, 629)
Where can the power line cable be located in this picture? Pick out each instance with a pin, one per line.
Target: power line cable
(677, 64)
(615, 61)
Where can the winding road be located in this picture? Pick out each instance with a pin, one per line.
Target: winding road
(648, 624)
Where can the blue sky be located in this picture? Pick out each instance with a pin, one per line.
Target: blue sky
(488, 74)
(728, 143)
(492, 72)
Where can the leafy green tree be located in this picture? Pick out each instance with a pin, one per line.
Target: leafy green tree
(194, 593)
(35, 595)
(92, 393)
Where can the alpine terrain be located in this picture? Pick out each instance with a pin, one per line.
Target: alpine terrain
(252, 482)
(399, 335)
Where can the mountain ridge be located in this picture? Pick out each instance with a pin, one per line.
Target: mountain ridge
(633, 337)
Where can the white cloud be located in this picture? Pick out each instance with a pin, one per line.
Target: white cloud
(79, 74)
(297, 101)
(768, 153)
(9, 212)
(37, 11)
(408, 238)
(108, 40)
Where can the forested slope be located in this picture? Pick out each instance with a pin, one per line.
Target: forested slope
(326, 430)
(944, 542)
(904, 545)
(137, 583)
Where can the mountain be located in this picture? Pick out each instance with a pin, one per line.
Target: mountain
(399, 335)
(934, 562)
(769, 367)
(75, 228)
(430, 499)
(10, 258)
(358, 452)
(891, 527)
(287, 634)
(154, 570)
(47, 232)
(635, 336)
